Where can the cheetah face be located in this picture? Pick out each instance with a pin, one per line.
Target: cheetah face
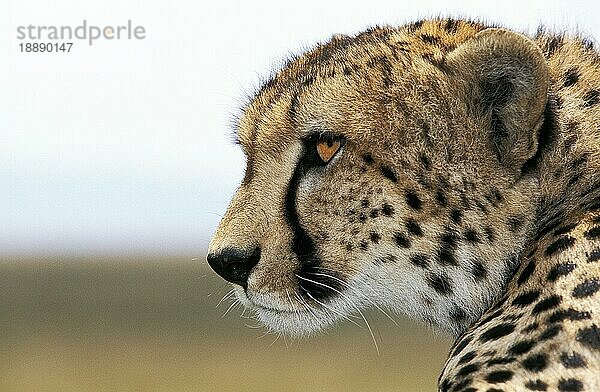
(379, 184)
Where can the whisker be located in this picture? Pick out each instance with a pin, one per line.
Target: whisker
(227, 295)
(333, 310)
(370, 330)
(229, 308)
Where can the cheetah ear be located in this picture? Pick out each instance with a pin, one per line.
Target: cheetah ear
(506, 78)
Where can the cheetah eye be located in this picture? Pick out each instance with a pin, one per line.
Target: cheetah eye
(327, 146)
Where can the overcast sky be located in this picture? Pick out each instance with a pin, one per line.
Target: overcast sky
(125, 146)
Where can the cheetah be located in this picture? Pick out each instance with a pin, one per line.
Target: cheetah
(447, 170)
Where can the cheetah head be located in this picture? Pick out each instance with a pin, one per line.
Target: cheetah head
(387, 169)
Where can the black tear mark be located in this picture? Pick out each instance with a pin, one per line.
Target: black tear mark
(311, 283)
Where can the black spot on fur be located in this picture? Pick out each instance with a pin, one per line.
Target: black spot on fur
(461, 386)
(451, 26)
(571, 77)
(456, 216)
(478, 270)
(592, 233)
(589, 337)
(531, 327)
(594, 256)
(591, 98)
(560, 270)
(550, 332)
(401, 240)
(521, 347)
(388, 173)
(414, 26)
(526, 273)
(413, 227)
(570, 385)
(375, 237)
(535, 362)
(587, 288)
(472, 236)
(547, 304)
(363, 245)
(368, 158)
(425, 161)
(560, 245)
(500, 360)
(460, 345)
(564, 230)
(458, 315)
(515, 223)
(569, 314)
(526, 298)
(387, 209)
(537, 385)
(572, 360)
(374, 213)
(429, 39)
(467, 369)
(489, 233)
(440, 197)
(446, 256)
(468, 357)
(440, 283)
(420, 260)
(497, 332)
(554, 43)
(499, 376)
(413, 200)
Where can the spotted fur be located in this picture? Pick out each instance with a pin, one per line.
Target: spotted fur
(466, 195)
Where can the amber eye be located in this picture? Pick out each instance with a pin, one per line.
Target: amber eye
(327, 148)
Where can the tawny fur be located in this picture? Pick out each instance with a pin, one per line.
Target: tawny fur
(467, 181)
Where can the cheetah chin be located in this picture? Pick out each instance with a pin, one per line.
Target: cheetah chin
(445, 170)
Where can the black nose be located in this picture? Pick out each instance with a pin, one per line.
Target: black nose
(234, 265)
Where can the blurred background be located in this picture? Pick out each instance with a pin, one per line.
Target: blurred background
(116, 163)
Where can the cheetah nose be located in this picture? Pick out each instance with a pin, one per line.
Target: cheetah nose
(234, 265)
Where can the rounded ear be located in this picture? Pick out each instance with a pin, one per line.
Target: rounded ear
(506, 77)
